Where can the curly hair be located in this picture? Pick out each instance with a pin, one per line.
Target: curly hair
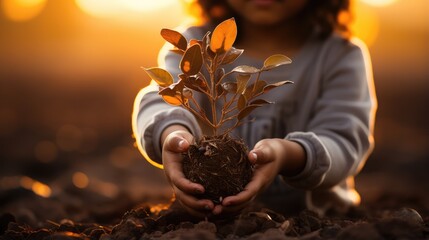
(326, 16)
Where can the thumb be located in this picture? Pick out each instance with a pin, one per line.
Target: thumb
(177, 142)
(260, 154)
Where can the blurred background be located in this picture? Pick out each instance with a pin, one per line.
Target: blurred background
(69, 72)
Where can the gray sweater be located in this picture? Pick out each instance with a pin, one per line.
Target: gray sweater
(329, 110)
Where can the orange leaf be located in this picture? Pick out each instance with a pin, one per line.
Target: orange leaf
(223, 36)
(175, 100)
(192, 60)
(174, 38)
(161, 76)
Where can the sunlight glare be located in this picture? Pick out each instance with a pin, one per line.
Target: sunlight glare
(379, 3)
(109, 8)
(22, 10)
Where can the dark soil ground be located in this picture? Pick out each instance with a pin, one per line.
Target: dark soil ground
(393, 208)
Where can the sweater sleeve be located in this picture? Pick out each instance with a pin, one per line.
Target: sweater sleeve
(339, 134)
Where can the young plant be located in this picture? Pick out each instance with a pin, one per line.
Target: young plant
(236, 100)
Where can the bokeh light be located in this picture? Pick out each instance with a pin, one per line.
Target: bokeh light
(37, 187)
(109, 8)
(80, 180)
(22, 10)
(379, 3)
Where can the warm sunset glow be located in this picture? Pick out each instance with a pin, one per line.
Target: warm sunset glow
(379, 3)
(80, 180)
(366, 24)
(109, 8)
(22, 10)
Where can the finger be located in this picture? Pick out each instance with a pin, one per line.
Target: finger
(217, 210)
(176, 143)
(250, 190)
(185, 185)
(202, 205)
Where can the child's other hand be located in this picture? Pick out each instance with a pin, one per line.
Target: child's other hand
(174, 144)
(271, 157)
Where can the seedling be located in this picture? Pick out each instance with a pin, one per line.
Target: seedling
(218, 162)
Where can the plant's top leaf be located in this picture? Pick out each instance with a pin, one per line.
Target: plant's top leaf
(223, 36)
(160, 76)
(192, 60)
(275, 61)
(174, 38)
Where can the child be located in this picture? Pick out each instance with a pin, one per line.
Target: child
(310, 144)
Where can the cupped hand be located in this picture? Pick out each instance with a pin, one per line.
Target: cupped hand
(271, 157)
(185, 191)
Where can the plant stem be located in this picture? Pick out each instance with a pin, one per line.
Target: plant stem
(213, 91)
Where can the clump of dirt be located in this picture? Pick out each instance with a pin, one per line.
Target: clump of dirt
(220, 164)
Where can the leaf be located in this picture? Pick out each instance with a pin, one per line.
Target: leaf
(192, 60)
(260, 102)
(242, 101)
(230, 87)
(194, 83)
(232, 55)
(174, 38)
(274, 85)
(246, 111)
(194, 41)
(223, 36)
(253, 90)
(245, 69)
(160, 76)
(175, 100)
(220, 72)
(275, 61)
(170, 96)
(178, 51)
(242, 80)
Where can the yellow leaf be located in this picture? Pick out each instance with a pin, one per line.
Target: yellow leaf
(223, 36)
(160, 76)
(275, 61)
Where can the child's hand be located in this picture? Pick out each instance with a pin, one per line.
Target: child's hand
(271, 157)
(174, 144)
